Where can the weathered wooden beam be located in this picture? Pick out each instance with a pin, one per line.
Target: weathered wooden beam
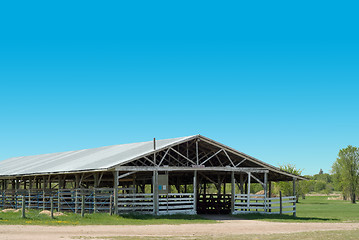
(155, 192)
(163, 158)
(241, 162)
(115, 190)
(259, 181)
(295, 195)
(125, 174)
(182, 155)
(159, 168)
(202, 163)
(229, 158)
(233, 185)
(195, 192)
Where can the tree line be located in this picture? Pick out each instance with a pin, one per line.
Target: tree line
(343, 178)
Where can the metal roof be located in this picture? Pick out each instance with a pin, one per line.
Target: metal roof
(104, 158)
(82, 160)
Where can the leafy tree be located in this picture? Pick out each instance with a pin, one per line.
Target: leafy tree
(319, 185)
(346, 171)
(287, 187)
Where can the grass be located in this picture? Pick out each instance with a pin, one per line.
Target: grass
(34, 218)
(320, 235)
(315, 209)
(312, 209)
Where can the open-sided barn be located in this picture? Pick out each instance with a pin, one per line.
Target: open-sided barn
(160, 177)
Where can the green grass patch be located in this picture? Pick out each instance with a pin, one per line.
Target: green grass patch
(315, 209)
(33, 217)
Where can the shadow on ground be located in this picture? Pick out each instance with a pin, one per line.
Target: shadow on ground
(281, 217)
(173, 216)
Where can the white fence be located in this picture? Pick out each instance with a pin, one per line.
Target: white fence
(254, 203)
(135, 202)
(174, 203)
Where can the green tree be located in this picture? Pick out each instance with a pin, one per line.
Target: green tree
(346, 171)
(287, 187)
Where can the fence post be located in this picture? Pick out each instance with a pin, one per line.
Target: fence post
(280, 202)
(111, 196)
(82, 205)
(94, 200)
(23, 207)
(76, 201)
(295, 197)
(52, 206)
(58, 201)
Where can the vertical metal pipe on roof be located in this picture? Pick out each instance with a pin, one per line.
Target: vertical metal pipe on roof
(154, 153)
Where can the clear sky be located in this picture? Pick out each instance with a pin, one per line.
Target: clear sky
(276, 80)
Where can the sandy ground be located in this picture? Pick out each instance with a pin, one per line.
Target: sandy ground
(223, 227)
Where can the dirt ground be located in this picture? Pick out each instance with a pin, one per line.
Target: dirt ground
(223, 227)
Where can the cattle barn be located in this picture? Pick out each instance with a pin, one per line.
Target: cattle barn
(190, 175)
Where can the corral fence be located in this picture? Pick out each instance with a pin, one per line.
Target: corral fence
(255, 203)
(98, 200)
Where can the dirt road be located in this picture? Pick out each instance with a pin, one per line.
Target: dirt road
(223, 227)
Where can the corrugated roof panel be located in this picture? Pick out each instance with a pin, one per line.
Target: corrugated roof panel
(82, 160)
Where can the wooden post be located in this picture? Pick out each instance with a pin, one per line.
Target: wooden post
(295, 198)
(111, 197)
(59, 194)
(77, 183)
(155, 192)
(232, 192)
(15, 192)
(4, 193)
(115, 191)
(82, 205)
(265, 191)
(248, 191)
(270, 195)
(52, 207)
(30, 188)
(94, 192)
(23, 207)
(280, 203)
(195, 192)
(43, 193)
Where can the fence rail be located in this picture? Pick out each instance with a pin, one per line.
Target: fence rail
(173, 203)
(253, 203)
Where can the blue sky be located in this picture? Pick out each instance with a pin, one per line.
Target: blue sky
(276, 80)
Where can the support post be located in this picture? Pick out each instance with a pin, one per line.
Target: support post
(15, 192)
(82, 205)
(270, 195)
(23, 207)
(155, 192)
(52, 207)
(30, 188)
(248, 191)
(265, 191)
(59, 194)
(232, 192)
(77, 183)
(111, 197)
(115, 191)
(195, 192)
(295, 198)
(94, 192)
(280, 203)
(43, 193)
